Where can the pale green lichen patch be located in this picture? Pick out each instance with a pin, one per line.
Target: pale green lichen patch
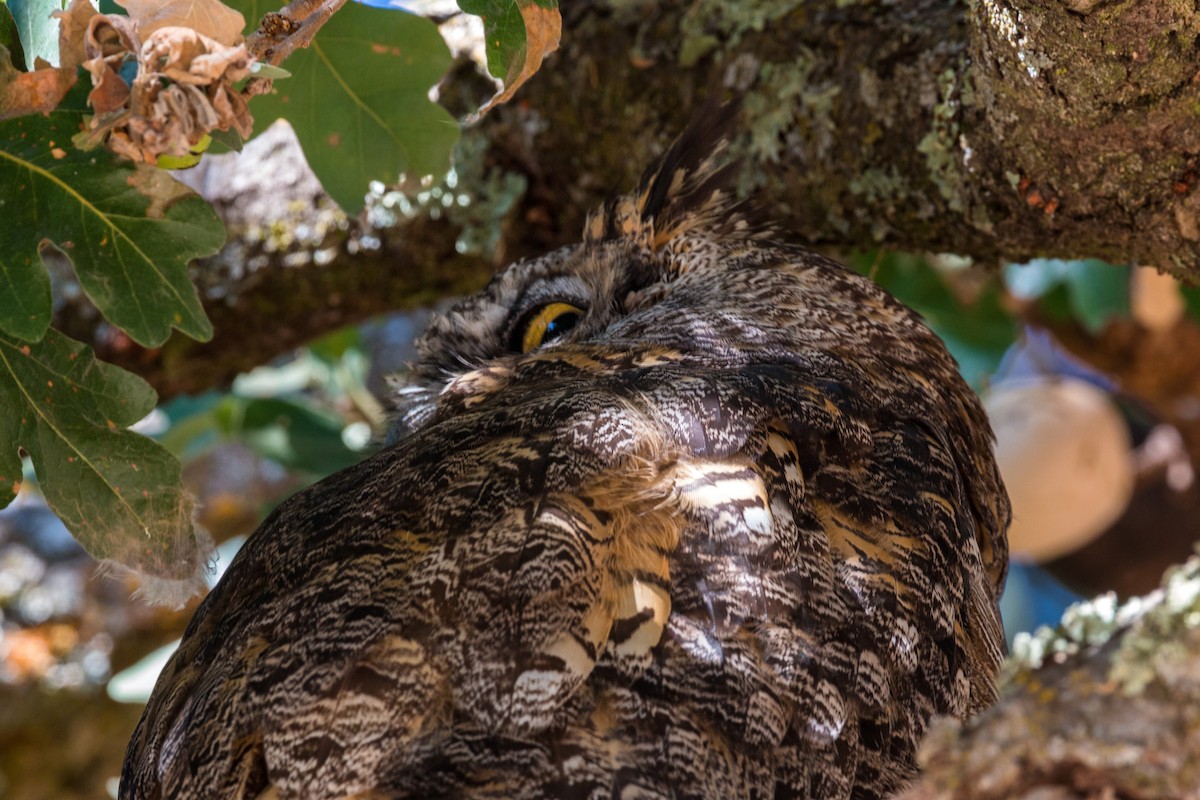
(879, 186)
(876, 183)
(785, 99)
(1156, 631)
(940, 145)
(479, 213)
(732, 20)
(1160, 637)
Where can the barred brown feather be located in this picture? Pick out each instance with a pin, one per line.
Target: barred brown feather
(739, 533)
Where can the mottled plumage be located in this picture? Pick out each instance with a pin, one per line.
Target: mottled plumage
(737, 533)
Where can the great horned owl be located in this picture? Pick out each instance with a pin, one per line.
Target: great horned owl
(680, 511)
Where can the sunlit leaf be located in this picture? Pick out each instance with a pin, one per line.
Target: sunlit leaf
(117, 491)
(261, 70)
(73, 24)
(130, 231)
(359, 100)
(212, 18)
(37, 29)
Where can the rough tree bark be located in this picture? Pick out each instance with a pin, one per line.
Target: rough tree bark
(996, 130)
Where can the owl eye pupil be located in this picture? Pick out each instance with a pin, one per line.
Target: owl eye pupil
(547, 324)
(560, 325)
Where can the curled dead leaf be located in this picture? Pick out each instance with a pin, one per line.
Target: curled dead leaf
(182, 91)
(186, 56)
(111, 39)
(110, 92)
(72, 29)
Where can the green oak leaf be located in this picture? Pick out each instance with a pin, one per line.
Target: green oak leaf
(129, 229)
(25, 309)
(358, 99)
(117, 491)
(518, 35)
(503, 31)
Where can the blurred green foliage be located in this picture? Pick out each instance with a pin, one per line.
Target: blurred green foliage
(1091, 292)
(311, 413)
(977, 331)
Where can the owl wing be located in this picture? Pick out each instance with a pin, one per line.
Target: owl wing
(467, 576)
(834, 588)
(829, 638)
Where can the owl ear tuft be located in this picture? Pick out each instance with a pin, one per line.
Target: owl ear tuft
(687, 189)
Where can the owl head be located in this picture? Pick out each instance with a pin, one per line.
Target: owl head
(682, 267)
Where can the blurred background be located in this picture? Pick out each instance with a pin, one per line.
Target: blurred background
(1096, 414)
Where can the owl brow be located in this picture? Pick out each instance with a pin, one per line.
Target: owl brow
(546, 289)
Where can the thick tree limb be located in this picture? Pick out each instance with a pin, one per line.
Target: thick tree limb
(296, 270)
(1003, 130)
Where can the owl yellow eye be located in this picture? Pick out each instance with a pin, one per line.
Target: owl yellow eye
(548, 323)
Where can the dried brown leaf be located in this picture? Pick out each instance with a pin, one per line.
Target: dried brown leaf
(110, 93)
(72, 29)
(183, 89)
(110, 36)
(159, 187)
(187, 56)
(543, 29)
(32, 92)
(210, 18)
(231, 107)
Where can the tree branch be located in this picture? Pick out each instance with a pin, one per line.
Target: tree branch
(283, 31)
(1007, 131)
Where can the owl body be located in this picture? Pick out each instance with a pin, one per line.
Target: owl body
(730, 528)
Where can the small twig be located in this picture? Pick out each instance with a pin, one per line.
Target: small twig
(283, 31)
